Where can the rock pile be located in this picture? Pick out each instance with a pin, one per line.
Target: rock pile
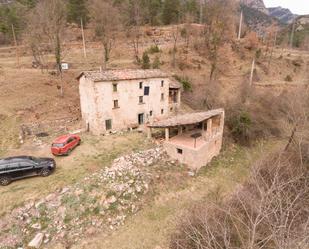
(101, 201)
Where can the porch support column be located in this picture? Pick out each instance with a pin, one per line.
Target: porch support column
(167, 134)
(209, 127)
(203, 129)
(149, 132)
(179, 130)
(178, 97)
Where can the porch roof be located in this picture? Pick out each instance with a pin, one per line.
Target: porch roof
(186, 119)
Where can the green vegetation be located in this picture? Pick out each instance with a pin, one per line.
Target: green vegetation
(186, 84)
(240, 125)
(77, 10)
(153, 49)
(145, 61)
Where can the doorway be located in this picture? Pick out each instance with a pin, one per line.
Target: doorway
(141, 118)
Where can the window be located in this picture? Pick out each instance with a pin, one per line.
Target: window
(71, 139)
(141, 85)
(162, 96)
(179, 151)
(140, 100)
(162, 111)
(140, 118)
(150, 113)
(108, 124)
(115, 87)
(162, 83)
(116, 104)
(146, 90)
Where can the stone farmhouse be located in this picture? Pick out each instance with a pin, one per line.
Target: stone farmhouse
(113, 100)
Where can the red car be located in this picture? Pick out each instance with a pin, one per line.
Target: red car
(65, 144)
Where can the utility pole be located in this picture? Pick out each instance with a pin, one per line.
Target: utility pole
(272, 50)
(240, 25)
(83, 37)
(16, 47)
(292, 35)
(252, 71)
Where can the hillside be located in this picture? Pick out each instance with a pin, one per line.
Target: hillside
(120, 189)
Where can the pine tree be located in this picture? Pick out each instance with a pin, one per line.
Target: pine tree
(170, 12)
(77, 10)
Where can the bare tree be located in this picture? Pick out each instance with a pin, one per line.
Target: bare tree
(46, 25)
(106, 20)
(218, 29)
(133, 24)
(175, 37)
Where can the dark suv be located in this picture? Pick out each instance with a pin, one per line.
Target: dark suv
(13, 168)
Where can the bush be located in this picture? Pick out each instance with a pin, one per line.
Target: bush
(145, 61)
(153, 49)
(240, 125)
(186, 84)
(156, 63)
(288, 78)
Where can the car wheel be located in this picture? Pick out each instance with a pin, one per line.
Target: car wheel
(5, 180)
(79, 142)
(45, 172)
(69, 152)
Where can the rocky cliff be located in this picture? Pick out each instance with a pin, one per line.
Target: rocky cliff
(256, 4)
(283, 15)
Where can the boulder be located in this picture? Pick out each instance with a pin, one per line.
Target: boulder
(36, 242)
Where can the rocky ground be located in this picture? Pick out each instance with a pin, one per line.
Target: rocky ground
(100, 202)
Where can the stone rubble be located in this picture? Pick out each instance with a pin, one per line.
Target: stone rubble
(100, 202)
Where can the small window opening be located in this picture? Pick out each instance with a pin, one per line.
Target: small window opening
(115, 87)
(162, 111)
(116, 104)
(141, 85)
(146, 90)
(150, 113)
(179, 151)
(141, 100)
(162, 83)
(162, 96)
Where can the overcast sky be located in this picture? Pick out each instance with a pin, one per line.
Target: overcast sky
(299, 7)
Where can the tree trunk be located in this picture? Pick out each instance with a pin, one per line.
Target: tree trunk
(291, 139)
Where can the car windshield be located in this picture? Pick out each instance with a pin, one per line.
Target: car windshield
(58, 145)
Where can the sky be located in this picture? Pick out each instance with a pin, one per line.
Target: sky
(299, 7)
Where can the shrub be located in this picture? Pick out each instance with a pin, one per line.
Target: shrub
(153, 49)
(288, 78)
(268, 211)
(240, 125)
(145, 61)
(186, 84)
(156, 63)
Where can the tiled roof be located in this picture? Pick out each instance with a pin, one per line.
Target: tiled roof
(123, 74)
(174, 84)
(186, 119)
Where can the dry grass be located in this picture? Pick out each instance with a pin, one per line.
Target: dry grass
(153, 225)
